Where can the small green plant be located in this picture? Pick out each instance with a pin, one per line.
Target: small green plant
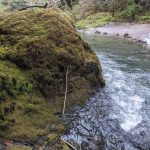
(96, 20)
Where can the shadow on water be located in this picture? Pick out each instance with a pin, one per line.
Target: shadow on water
(117, 117)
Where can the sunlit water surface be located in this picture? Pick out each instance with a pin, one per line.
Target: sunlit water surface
(117, 116)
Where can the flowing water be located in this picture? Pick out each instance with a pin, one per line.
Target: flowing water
(117, 117)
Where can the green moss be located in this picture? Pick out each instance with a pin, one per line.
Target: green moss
(145, 17)
(36, 47)
(34, 117)
(12, 80)
(17, 147)
(3, 53)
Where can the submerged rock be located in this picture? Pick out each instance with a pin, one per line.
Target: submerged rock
(36, 48)
(126, 35)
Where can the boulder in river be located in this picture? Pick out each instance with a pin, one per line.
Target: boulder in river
(126, 35)
(36, 48)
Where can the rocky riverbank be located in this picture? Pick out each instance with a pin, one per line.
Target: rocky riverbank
(137, 33)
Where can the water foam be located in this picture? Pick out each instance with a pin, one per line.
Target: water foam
(147, 39)
(126, 104)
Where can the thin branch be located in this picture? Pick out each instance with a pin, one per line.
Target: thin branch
(71, 146)
(45, 6)
(65, 92)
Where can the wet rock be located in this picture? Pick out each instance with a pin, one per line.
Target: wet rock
(141, 41)
(85, 145)
(105, 33)
(2, 146)
(97, 32)
(126, 35)
(140, 136)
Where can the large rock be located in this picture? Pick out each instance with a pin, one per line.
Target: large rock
(36, 48)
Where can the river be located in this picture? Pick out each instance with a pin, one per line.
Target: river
(117, 117)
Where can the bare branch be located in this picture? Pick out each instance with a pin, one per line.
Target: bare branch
(45, 6)
(65, 92)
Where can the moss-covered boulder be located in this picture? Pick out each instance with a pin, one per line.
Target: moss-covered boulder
(36, 48)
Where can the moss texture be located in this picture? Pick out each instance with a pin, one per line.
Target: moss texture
(36, 47)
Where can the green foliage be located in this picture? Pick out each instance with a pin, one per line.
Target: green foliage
(144, 18)
(131, 11)
(96, 20)
(88, 7)
(121, 10)
(130, 2)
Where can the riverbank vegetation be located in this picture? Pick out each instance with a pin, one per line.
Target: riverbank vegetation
(91, 13)
(104, 18)
(94, 13)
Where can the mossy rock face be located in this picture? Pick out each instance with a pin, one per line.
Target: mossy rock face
(46, 43)
(36, 48)
(12, 81)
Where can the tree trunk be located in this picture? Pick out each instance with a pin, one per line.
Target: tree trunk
(133, 16)
(113, 10)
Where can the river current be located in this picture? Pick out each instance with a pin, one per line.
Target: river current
(117, 117)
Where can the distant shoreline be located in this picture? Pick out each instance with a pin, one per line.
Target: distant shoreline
(135, 33)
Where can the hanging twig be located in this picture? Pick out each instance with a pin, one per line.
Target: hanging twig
(45, 6)
(65, 92)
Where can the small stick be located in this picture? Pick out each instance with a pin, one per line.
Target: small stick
(65, 92)
(71, 146)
